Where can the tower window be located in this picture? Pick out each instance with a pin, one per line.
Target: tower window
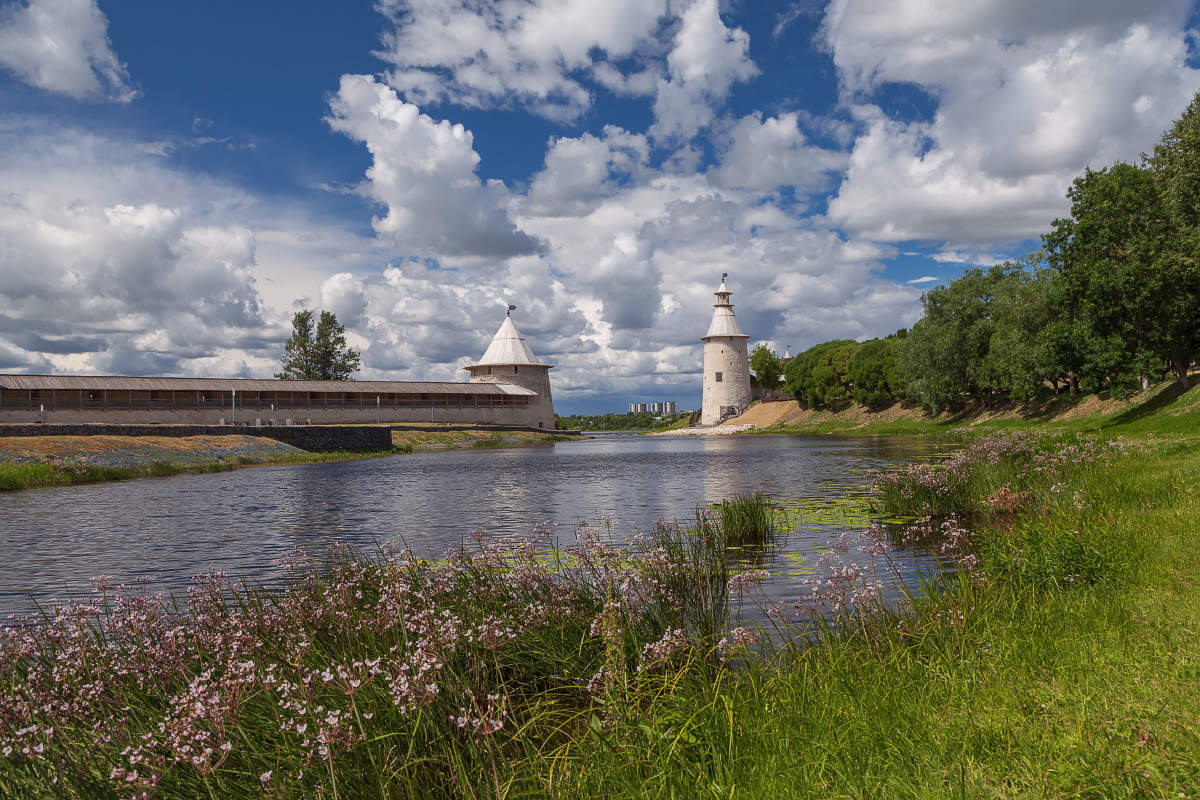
(719, 377)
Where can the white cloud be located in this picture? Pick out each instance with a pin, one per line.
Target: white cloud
(112, 262)
(345, 296)
(706, 60)
(1027, 94)
(923, 279)
(766, 154)
(424, 171)
(534, 53)
(62, 46)
(581, 172)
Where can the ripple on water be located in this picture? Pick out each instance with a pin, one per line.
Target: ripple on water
(169, 529)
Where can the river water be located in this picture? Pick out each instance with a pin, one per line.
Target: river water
(52, 541)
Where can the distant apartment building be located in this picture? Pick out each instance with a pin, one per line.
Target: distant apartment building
(665, 407)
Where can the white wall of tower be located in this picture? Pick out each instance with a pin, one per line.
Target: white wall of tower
(540, 411)
(726, 357)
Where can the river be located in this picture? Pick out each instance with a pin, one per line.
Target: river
(52, 541)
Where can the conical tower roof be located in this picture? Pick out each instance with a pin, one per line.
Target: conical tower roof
(723, 322)
(508, 348)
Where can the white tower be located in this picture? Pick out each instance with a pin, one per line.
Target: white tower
(508, 359)
(726, 363)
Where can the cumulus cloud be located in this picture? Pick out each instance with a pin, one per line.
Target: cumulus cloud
(581, 172)
(111, 262)
(424, 172)
(706, 60)
(532, 53)
(1018, 111)
(63, 46)
(345, 297)
(766, 154)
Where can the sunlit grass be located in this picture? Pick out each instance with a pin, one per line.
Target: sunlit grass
(1066, 667)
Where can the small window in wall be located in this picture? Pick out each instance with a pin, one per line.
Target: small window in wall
(719, 377)
(489, 370)
(515, 370)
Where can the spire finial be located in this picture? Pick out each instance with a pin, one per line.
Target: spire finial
(511, 308)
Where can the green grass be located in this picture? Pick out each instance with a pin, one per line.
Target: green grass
(63, 472)
(1166, 408)
(1067, 666)
(1070, 671)
(748, 519)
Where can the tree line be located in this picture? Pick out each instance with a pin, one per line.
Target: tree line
(1109, 302)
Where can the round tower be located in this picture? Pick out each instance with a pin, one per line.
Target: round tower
(508, 360)
(726, 363)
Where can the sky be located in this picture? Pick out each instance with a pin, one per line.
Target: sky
(176, 180)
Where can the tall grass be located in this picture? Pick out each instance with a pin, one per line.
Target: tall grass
(1062, 665)
(387, 676)
(748, 519)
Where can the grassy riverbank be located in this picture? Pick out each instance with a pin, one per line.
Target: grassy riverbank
(1061, 660)
(1165, 407)
(1066, 667)
(40, 461)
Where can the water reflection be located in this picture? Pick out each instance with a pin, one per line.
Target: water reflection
(53, 540)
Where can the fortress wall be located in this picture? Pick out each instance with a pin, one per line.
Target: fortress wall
(502, 415)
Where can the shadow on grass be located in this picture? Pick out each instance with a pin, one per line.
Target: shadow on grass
(1152, 405)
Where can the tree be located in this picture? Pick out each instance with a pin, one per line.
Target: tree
(1176, 168)
(872, 372)
(767, 366)
(945, 356)
(1112, 259)
(317, 356)
(817, 377)
(1029, 347)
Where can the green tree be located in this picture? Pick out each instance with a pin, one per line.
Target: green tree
(1176, 167)
(1112, 259)
(767, 367)
(944, 356)
(872, 372)
(817, 377)
(1028, 347)
(320, 355)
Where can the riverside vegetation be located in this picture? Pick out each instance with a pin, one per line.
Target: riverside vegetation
(1057, 657)
(33, 462)
(1109, 303)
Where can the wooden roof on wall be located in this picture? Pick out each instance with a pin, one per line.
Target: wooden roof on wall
(93, 383)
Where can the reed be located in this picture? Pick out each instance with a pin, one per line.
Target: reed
(748, 519)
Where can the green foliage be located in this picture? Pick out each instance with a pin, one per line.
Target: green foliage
(640, 421)
(944, 357)
(767, 367)
(872, 373)
(1176, 167)
(748, 519)
(818, 376)
(1110, 256)
(320, 355)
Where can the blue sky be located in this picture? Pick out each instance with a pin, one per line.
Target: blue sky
(177, 179)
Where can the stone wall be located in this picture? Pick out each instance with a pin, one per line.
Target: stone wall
(306, 437)
(492, 415)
